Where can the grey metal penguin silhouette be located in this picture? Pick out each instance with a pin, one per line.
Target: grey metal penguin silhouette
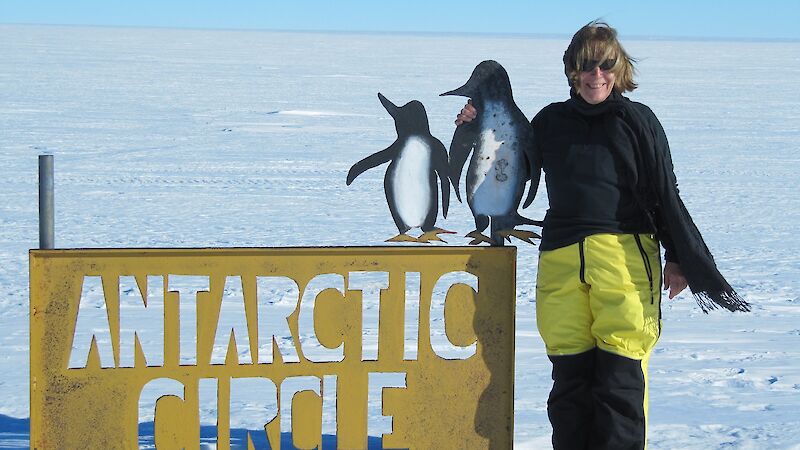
(410, 181)
(500, 139)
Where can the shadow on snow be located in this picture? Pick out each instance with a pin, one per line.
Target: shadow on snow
(15, 435)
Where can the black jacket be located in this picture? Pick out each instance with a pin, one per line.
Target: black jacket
(642, 170)
(588, 185)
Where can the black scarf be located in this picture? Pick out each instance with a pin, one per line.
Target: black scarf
(651, 176)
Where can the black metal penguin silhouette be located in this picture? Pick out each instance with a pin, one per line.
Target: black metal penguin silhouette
(500, 139)
(410, 182)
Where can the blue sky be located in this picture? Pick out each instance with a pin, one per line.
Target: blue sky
(752, 19)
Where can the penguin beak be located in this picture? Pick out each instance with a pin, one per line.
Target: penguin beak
(390, 107)
(464, 91)
(485, 72)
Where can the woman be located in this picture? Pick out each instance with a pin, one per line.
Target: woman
(612, 199)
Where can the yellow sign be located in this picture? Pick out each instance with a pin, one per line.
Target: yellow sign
(414, 345)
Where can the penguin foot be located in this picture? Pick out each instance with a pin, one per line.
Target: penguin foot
(478, 237)
(433, 235)
(522, 235)
(402, 237)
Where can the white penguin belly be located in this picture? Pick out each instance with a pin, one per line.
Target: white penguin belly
(411, 182)
(497, 166)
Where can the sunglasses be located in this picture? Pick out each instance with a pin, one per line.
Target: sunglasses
(588, 65)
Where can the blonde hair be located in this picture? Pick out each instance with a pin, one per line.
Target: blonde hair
(596, 43)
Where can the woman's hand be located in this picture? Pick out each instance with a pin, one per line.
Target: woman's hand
(674, 279)
(468, 114)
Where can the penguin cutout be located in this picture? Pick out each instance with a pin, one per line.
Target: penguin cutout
(410, 182)
(500, 139)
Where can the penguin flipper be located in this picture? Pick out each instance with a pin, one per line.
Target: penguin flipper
(534, 172)
(464, 140)
(442, 169)
(373, 160)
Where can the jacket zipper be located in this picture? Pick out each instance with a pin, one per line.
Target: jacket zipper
(647, 267)
(582, 273)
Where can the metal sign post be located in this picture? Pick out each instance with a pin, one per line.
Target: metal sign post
(46, 203)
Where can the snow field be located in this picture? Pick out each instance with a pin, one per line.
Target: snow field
(191, 138)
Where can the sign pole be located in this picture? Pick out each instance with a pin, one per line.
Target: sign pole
(46, 203)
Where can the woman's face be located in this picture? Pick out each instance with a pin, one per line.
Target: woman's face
(595, 85)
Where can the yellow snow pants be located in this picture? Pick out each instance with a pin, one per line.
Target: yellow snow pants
(598, 311)
(601, 292)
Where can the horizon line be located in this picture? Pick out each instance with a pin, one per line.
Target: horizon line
(488, 34)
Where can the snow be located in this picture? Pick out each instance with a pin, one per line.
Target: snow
(193, 138)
